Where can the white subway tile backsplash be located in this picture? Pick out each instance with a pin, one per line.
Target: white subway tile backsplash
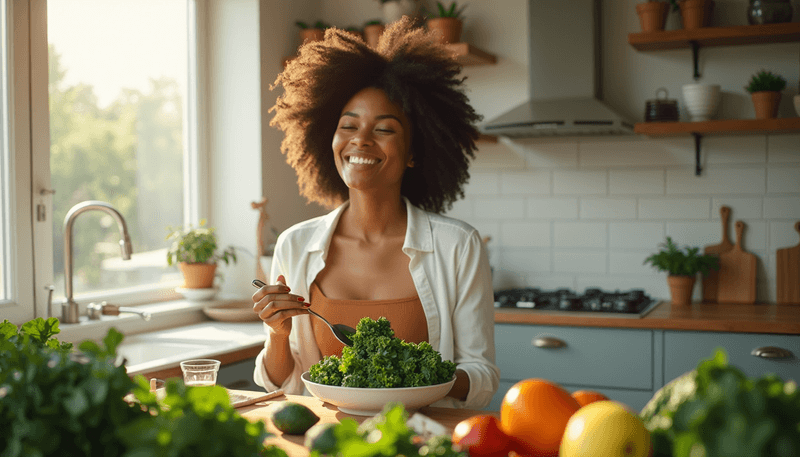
(674, 208)
(608, 208)
(783, 179)
(499, 208)
(634, 235)
(782, 207)
(462, 209)
(782, 235)
(716, 180)
(531, 182)
(573, 182)
(547, 281)
(496, 156)
(636, 182)
(631, 263)
(548, 153)
(783, 148)
(552, 208)
(483, 183)
(636, 152)
(525, 234)
(741, 208)
(580, 235)
(698, 234)
(580, 262)
(525, 260)
(735, 149)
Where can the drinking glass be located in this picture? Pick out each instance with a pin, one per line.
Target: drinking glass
(200, 372)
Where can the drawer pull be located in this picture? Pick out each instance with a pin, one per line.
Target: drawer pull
(548, 342)
(772, 352)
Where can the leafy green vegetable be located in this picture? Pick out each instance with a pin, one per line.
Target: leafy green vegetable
(386, 434)
(715, 410)
(686, 262)
(377, 359)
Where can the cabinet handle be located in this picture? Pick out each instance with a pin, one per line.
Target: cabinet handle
(548, 342)
(772, 352)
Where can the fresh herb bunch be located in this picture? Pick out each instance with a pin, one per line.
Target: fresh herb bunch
(715, 411)
(197, 245)
(686, 262)
(451, 11)
(394, 437)
(377, 359)
(317, 25)
(766, 81)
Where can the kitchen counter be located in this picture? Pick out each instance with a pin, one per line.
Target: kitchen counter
(758, 318)
(293, 444)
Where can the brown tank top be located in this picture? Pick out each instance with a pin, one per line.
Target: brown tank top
(406, 316)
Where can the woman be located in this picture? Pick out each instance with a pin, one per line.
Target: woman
(385, 137)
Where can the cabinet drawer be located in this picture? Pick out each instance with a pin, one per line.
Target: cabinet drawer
(684, 350)
(592, 357)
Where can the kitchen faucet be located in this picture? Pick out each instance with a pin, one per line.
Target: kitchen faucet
(69, 309)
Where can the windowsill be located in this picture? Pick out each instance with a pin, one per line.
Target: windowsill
(164, 315)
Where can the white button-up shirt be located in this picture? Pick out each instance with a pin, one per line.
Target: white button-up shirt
(450, 269)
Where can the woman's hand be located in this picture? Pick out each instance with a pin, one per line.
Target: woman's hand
(275, 306)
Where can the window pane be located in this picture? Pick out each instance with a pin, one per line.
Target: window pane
(118, 87)
(5, 158)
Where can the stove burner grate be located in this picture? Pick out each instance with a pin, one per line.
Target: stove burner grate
(594, 301)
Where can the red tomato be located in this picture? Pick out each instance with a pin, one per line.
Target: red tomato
(481, 436)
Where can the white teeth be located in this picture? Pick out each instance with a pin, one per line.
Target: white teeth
(362, 160)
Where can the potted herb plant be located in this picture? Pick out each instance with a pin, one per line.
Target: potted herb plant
(682, 266)
(372, 32)
(195, 251)
(312, 32)
(653, 14)
(446, 22)
(696, 13)
(765, 90)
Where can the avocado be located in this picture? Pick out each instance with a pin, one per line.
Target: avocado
(292, 418)
(321, 438)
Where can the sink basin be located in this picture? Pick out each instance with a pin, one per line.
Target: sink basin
(151, 351)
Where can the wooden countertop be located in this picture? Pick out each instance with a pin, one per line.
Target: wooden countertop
(717, 317)
(293, 444)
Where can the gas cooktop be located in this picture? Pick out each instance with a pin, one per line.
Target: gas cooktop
(593, 302)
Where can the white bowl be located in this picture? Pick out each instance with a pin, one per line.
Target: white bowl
(364, 401)
(197, 294)
(797, 104)
(701, 100)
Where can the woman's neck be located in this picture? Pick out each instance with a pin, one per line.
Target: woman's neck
(368, 216)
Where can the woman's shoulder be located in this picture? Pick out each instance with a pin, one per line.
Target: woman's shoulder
(441, 223)
(302, 232)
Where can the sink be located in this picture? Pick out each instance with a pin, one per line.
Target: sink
(151, 351)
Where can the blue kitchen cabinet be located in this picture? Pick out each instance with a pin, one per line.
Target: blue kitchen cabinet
(617, 362)
(683, 350)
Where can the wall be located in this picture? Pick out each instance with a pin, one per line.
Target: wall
(584, 212)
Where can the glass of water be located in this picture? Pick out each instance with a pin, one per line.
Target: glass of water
(200, 372)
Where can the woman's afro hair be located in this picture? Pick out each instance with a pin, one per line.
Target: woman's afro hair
(416, 73)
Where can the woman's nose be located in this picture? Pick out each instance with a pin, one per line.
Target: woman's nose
(361, 139)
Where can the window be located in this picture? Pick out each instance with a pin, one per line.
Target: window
(104, 103)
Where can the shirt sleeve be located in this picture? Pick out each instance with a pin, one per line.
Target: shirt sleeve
(473, 322)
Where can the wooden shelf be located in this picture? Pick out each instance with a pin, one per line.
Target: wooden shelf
(716, 36)
(719, 127)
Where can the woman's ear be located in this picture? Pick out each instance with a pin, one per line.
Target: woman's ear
(410, 163)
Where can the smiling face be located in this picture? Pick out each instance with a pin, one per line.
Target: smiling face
(371, 146)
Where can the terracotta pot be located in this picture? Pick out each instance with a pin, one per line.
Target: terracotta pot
(447, 29)
(680, 289)
(766, 104)
(311, 35)
(696, 13)
(652, 15)
(372, 33)
(198, 275)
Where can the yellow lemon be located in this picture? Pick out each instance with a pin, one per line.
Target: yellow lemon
(605, 428)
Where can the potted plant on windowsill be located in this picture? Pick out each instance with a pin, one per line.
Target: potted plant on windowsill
(682, 266)
(195, 251)
(765, 90)
(447, 22)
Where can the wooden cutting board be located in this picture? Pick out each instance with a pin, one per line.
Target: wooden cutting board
(789, 274)
(737, 273)
(711, 282)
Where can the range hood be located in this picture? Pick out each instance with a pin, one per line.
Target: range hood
(564, 76)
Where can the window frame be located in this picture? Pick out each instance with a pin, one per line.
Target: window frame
(31, 239)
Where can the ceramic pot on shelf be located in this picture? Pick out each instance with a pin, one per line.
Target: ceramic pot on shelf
(394, 10)
(797, 104)
(198, 275)
(652, 15)
(769, 12)
(447, 29)
(696, 13)
(765, 104)
(701, 100)
(372, 34)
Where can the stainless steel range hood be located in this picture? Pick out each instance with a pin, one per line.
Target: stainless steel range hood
(564, 76)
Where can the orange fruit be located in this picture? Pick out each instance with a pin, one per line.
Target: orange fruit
(481, 436)
(584, 397)
(534, 413)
